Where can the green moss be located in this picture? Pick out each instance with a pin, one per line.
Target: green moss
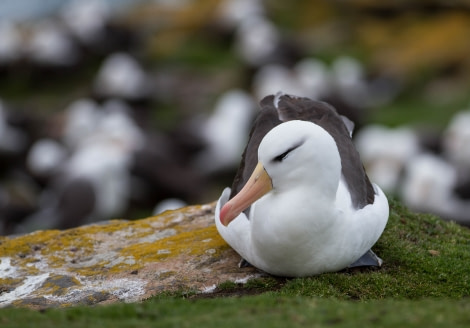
(228, 285)
(264, 283)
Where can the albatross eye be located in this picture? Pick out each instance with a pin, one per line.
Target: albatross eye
(281, 157)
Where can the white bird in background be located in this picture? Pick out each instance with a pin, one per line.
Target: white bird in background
(45, 157)
(104, 158)
(121, 76)
(274, 77)
(301, 203)
(50, 45)
(385, 152)
(93, 183)
(86, 19)
(81, 119)
(231, 13)
(225, 132)
(347, 78)
(428, 186)
(314, 78)
(456, 142)
(168, 204)
(256, 39)
(11, 46)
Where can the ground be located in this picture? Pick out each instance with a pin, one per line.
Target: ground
(424, 281)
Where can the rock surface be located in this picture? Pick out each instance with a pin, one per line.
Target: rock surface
(118, 260)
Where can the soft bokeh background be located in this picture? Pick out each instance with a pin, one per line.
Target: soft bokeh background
(109, 108)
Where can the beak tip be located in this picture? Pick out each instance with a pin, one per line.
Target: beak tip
(223, 214)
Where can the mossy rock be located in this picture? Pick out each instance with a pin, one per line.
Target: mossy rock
(117, 261)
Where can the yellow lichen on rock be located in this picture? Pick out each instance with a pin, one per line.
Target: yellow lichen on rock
(117, 260)
(194, 243)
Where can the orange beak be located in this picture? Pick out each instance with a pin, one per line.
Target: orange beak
(258, 185)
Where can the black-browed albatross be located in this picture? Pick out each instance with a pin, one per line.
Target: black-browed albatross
(301, 203)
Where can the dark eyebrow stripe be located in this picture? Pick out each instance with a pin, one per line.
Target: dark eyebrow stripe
(284, 154)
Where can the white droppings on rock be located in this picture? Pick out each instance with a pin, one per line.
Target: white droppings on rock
(129, 260)
(124, 289)
(244, 280)
(208, 289)
(178, 219)
(6, 269)
(127, 290)
(158, 235)
(29, 286)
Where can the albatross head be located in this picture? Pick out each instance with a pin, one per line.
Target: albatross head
(294, 154)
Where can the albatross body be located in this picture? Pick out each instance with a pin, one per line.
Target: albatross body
(301, 203)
